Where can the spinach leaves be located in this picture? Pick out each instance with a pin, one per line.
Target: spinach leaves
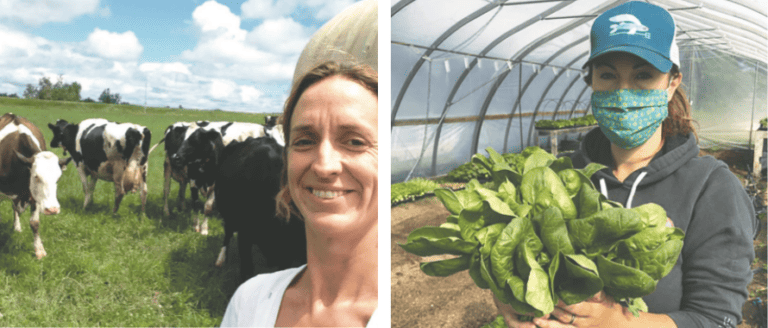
(539, 231)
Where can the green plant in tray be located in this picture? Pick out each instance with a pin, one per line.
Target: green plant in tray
(412, 189)
(586, 120)
(540, 232)
(468, 171)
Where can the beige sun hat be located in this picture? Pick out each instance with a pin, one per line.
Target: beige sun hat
(351, 36)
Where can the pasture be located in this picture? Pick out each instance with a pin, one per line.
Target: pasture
(114, 270)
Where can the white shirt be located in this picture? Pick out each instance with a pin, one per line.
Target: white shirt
(257, 301)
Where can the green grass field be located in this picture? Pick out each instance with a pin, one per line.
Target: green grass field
(114, 270)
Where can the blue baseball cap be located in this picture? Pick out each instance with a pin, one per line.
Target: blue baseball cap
(640, 28)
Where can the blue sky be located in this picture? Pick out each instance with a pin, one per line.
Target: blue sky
(217, 54)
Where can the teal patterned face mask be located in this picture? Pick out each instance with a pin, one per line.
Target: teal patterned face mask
(629, 117)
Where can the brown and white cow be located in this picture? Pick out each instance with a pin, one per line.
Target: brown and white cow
(108, 151)
(28, 173)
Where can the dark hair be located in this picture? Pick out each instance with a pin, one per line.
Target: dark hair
(364, 75)
(679, 119)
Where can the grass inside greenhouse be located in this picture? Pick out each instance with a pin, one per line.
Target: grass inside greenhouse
(114, 270)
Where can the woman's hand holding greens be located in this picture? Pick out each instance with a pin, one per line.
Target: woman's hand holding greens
(539, 235)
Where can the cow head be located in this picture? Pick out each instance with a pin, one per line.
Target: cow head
(63, 135)
(45, 171)
(57, 130)
(270, 121)
(199, 152)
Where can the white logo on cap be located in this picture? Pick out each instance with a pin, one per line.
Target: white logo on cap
(628, 24)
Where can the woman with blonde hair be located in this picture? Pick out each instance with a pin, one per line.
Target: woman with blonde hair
(330, 181)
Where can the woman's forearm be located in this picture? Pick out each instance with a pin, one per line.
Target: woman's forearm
(651, 320)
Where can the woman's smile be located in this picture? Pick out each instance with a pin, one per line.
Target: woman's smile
(328, 194)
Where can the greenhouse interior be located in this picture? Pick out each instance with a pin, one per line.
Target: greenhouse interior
(476, 74)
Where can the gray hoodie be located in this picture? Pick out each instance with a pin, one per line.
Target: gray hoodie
(708, 285)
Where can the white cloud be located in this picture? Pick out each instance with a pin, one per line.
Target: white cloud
(216, 19)
(292, 35)
(21, 74)
(129, 89)
(226, 51)
(249, 94)
(175, 67)
(112, 45)
(17, 44)
(327, 9)
(222, 39)
(221, 89)
(229, 68)
(268, 53)
(38, 12)
(25, 58)
(9, 89)
(265, 9)
(121, 70)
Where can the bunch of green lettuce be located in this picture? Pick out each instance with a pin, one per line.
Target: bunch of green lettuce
(542, 232)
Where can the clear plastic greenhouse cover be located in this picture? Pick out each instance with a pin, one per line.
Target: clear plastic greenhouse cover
(478, 74)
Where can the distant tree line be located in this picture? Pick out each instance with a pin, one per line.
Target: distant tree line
(48, 90)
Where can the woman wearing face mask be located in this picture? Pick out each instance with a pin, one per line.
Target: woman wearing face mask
(647, 140)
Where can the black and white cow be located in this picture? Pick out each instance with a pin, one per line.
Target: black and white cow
(247, 181)
(174, 136)
(198, 151)
(28, 173)
(276, 132)
(108, 151)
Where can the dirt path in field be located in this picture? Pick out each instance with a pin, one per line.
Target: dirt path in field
(422, 301)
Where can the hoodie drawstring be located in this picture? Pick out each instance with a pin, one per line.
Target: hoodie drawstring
(604, 188)
(634, 188)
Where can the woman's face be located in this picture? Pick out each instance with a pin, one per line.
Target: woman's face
(333, 156)
(621, 70)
